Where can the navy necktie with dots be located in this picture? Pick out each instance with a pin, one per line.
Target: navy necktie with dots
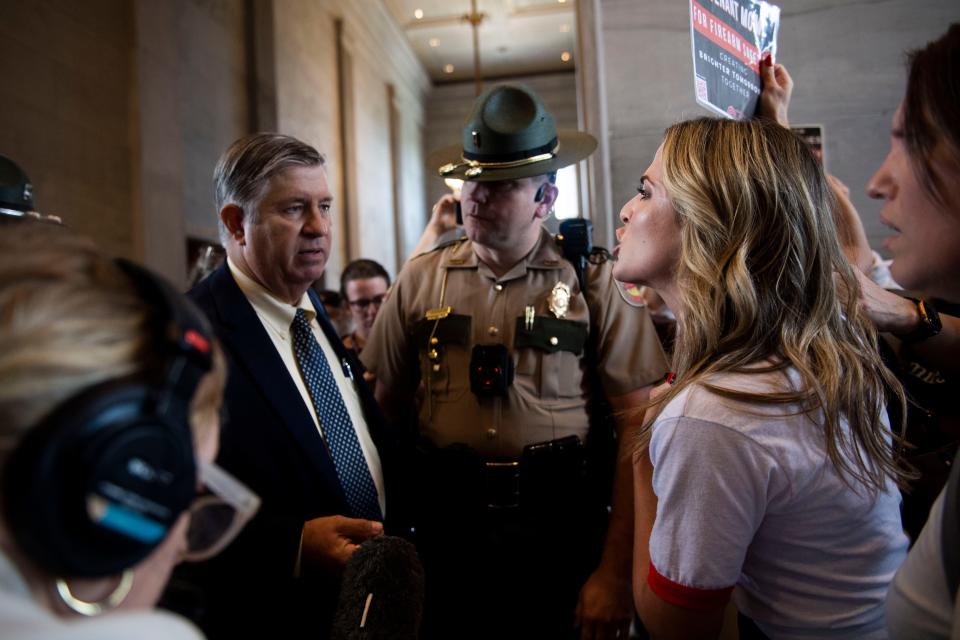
(341, 438)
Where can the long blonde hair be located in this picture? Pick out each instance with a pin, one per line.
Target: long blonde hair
(69, 319)
(758, 277)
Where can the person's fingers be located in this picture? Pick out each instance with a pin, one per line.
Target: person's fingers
(782, 76)
(767, 73)
(444, 208)
(448, 199)
(357, 528)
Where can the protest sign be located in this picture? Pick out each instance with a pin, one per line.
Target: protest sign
(728, 37)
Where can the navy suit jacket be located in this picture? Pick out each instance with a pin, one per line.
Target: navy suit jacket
(270, 442)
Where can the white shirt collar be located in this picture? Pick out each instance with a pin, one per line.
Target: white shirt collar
(275, 312)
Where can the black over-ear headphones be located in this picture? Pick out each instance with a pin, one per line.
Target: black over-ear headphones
(94, 487)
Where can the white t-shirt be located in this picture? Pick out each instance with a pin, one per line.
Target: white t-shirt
(919, 606)
(749, 502)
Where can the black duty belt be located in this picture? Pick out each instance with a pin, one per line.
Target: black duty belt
(547, 472)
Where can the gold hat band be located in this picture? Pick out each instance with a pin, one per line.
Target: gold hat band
(477, 167)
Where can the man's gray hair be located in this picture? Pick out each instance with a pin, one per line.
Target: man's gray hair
(245, 168)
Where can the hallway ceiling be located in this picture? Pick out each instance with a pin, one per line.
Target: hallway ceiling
(517, 37)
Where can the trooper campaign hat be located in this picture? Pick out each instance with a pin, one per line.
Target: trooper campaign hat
(16, 191)
(510, 134)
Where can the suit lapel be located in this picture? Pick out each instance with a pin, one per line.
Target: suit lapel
(244, 335)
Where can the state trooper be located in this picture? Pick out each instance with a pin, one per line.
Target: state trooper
(516, 350)
(16, 195)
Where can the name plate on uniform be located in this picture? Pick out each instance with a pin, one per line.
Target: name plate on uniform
(438, 314)
(552, 335)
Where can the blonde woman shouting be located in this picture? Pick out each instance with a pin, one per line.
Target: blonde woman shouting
(767, 474)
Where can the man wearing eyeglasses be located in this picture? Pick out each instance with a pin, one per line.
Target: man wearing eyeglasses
(302, 429)
(363, 284)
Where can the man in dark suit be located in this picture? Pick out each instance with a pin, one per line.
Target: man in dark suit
(301, 430)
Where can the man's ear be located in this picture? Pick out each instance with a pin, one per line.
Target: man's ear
(545, 205)
(231, 215)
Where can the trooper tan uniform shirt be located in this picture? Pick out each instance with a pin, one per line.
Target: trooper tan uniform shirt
(548, 397)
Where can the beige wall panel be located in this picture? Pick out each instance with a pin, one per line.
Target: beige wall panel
(190, 104)
(307, 107)
(64, 105)
(119, 110)
(382, 56)
(414, 205)
(374, 229)
(214, 109)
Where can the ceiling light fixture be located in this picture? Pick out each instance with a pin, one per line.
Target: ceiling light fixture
(434, 42)
(565, 56)
(418, 14)
(448, 68)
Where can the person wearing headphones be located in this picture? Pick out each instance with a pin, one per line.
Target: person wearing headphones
(110, 388)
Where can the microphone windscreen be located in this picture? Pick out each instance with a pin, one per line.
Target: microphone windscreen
(382, 592)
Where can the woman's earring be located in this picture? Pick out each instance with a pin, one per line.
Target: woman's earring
(84, 608)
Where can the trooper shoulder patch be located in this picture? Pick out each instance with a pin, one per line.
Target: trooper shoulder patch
(630, 293)
(449, 242)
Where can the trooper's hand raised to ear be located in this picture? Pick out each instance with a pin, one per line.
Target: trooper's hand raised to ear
(443, 217)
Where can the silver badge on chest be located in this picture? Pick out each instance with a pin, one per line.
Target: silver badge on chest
(559, 300)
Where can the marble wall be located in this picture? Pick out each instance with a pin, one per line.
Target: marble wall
(64, 109)
(348, 119)
(189, 89)
(119, 109)
(846, 57)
